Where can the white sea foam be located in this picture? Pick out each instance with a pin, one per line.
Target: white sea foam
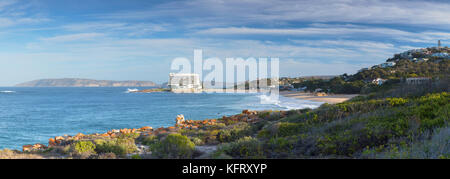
(131, 90)
(289, 103)
(7, 91)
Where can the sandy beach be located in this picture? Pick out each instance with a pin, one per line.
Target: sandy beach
(331, 99)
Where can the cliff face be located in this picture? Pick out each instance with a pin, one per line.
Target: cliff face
(75, 82)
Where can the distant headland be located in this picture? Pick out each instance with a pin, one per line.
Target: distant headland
(77, 82)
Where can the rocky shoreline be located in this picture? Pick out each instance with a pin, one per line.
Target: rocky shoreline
(58, 143)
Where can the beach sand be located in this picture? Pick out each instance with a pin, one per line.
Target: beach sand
(331, 99)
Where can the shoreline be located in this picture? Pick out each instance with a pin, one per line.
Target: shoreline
(330, 99)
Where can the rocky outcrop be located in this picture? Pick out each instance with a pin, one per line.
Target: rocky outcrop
(76, 82)
(180, 123)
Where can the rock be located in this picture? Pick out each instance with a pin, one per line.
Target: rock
(171, 128)
(59, 138)
(115, 131)
(146, 128)
(105, 135)
(124, 131)
(39, 146)
(27, 148)
(51, 142)
(180, 119)
(249, 112)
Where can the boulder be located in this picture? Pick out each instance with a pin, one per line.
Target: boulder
(115, 131)
(38, 146)
(146, 128)
(171, 128)
(59, 138)
(51, 142)
(180, 119)
(27, 148)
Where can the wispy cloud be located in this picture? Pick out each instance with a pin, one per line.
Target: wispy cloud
(13, 13)
(74, 37)
(304, 31)
(286, 11)
(130, 29)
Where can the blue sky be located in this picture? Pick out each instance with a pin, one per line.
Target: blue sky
(137, 39)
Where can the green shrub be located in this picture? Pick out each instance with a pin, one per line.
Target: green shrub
(84, 147)
(246, 147)
(197, 141)
(117, 146)
(237, 131)
(150, 140)
(136, 156)
(288, 129)
(174, 146)
(281, 145)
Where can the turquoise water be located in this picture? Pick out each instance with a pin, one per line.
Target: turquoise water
(33, 115)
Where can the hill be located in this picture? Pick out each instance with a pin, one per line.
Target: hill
(396, 70)
(76, 82)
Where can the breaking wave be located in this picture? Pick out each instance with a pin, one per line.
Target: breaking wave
(288, 103)
(7, 91)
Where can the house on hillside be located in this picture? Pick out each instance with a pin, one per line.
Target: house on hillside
(442, 55)
(422, 60)
(387, 64)
(363, 69)
(418, 80)
(378, 81)
(286, 87)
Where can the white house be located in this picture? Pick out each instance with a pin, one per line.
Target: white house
(378, 81)
(363, 69)
(440, 54)
(387, 64)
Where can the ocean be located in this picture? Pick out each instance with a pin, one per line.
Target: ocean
(33, 115)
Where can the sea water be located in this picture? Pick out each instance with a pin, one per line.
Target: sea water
(33, 115)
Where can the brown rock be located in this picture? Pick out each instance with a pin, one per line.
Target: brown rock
(180, 119)
(171, 128)
(59, 138)
(38, 146)
(146, 128)
(51, 142)
(27, 148)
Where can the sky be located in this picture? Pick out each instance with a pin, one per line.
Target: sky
(138, 39)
